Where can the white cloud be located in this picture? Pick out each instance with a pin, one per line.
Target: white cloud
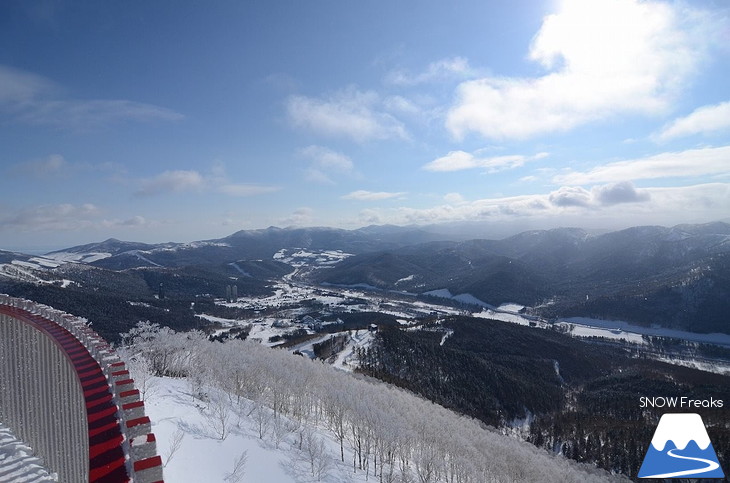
(54, 164)
(616, 193)
(176, 181)
(570, 196)
(349, 113)
(454, 198)
(17, 86)
(325, 164)
(300, 217)
(55, 218)
(690, 163)
(89, 113)
(363, 195)
(603, 57)
(703, 120)
(444, 69)
(602, 206)
(185, 181)
(598, 196)
(32, 99)
(402, 105)
(133, 222)
(58, 217)
(460, 160)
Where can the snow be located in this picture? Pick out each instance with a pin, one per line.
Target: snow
(95, 257)
(44, 262)
(70, 257)
(511, 307)
(503, 316)
(405, 279)
(347, 359)
(307, 348)
(139, 304)
(715, 338)
(442, 292)
(466, 298)
(220, 320)
(616, 334)
(300, 257)
(143, 258)
(238, 267)
(202, 456)
(17, 463)
(717, 367)
(21, 263)
(446, 336)
(18, 272)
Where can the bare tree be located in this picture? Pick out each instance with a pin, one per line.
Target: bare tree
(141, 372)
(315, 451)
(218, 416)
(239, 468)
(280, 429)
(175, 443)
(262, 416)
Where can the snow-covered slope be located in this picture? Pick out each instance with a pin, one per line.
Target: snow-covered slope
(203, 456)
(300, 420)
(17, 463)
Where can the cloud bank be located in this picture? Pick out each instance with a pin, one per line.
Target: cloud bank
(602, 57)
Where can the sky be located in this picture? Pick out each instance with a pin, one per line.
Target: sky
(188, 120)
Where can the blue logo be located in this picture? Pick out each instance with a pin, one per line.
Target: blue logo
(681, 448)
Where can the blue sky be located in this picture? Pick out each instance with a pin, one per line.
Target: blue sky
(186, 120)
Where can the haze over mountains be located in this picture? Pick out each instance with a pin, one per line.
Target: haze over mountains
(676, 277)
(511, 367)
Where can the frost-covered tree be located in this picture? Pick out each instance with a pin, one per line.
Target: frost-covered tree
(218, 416)
(388, 432)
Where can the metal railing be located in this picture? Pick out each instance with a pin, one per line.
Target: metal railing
(66, 393)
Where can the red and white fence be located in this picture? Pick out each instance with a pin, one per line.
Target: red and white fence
(66, 393)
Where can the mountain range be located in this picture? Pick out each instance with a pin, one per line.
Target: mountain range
(676, 277)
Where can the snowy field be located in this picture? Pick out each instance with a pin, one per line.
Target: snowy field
(720, 339)
(17, 463)
(203, 456)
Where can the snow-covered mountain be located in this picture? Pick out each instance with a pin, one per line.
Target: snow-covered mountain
(675, 277)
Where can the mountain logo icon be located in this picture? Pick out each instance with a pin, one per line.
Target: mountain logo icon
(681, 448)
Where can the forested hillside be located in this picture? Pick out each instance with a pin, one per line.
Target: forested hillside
(116, 300)
(381, 431)
(501, 373)
(672, 277)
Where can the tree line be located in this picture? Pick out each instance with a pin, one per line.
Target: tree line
(384, 432)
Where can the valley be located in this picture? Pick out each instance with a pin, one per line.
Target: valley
(424, 317)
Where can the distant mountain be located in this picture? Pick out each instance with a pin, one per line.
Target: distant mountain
(676, 277)
(112, 246)
(242, 245)
(8, 257)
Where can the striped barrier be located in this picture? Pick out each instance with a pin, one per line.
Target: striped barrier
(66, 393)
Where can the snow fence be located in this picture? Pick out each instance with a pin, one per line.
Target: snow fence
(66, 393)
